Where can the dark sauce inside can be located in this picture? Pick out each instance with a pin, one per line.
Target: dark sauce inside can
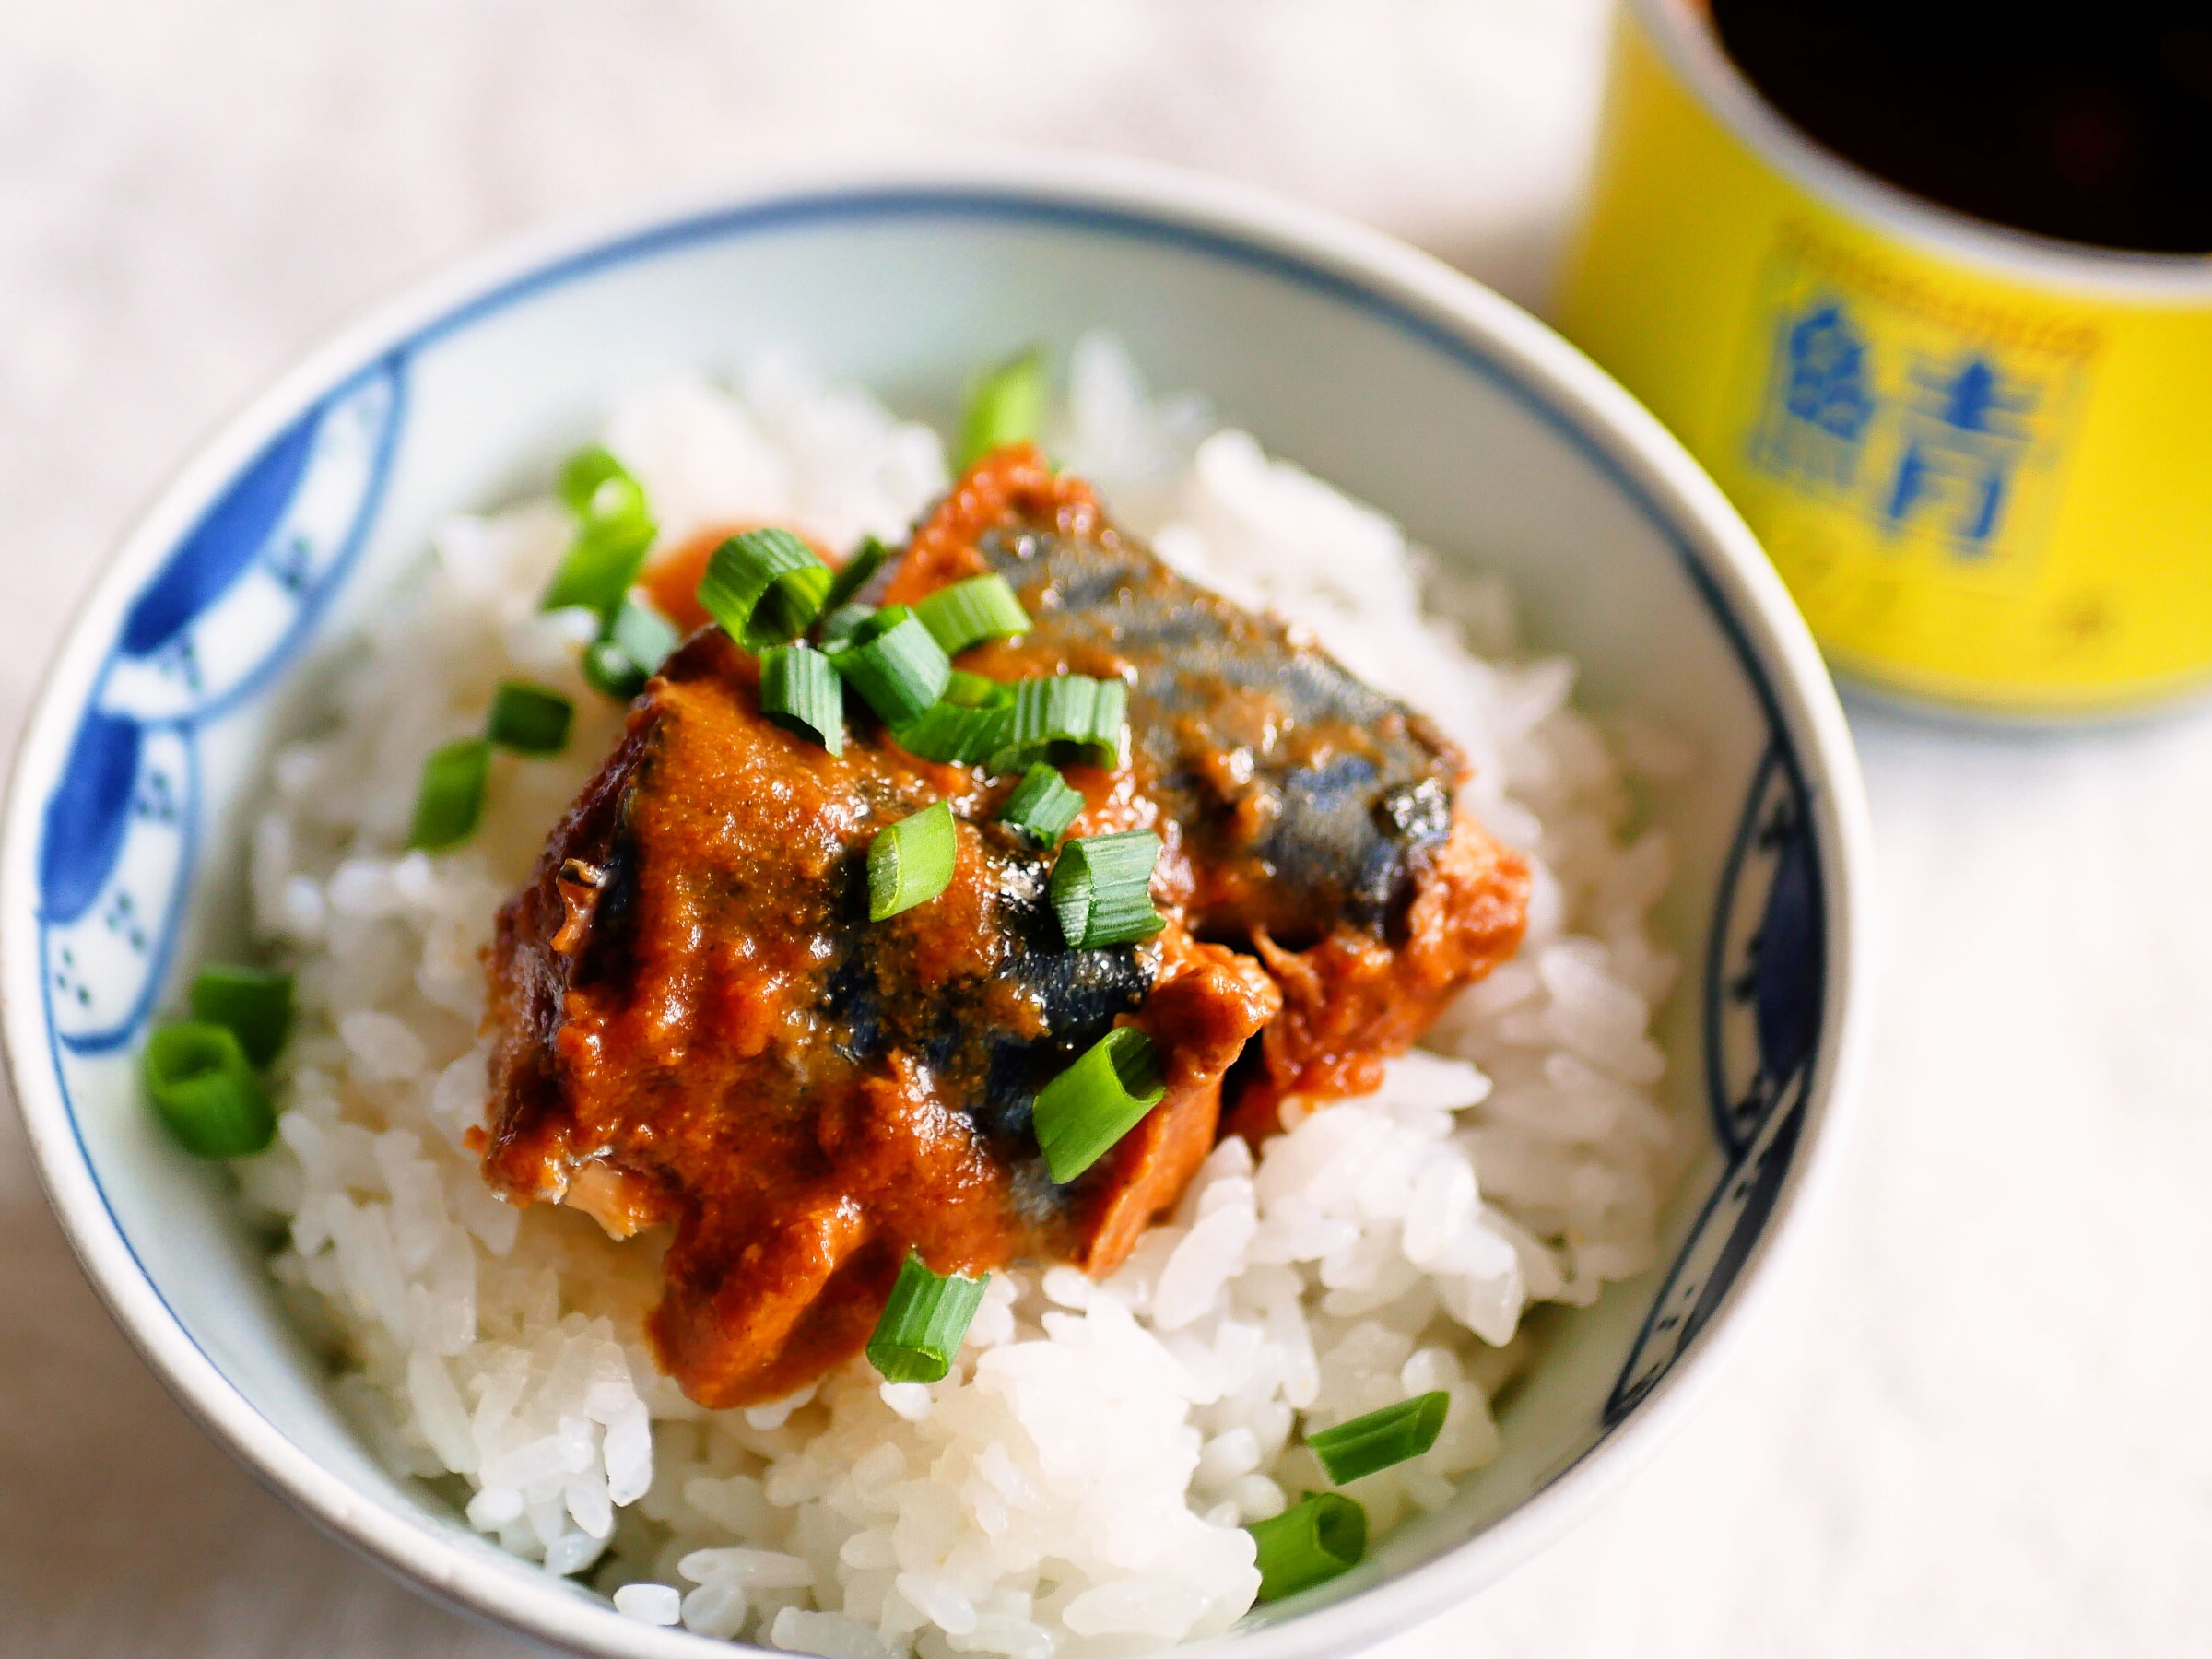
(2089, 124)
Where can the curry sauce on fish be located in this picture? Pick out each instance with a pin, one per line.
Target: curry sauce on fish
(698, 1025)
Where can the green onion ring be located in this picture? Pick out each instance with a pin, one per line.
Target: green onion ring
(254, 1003)
(1102, 888)
(1066, 717)
(966, 613)
(529, 719)
(1308, 1543)
(894, 664)
(800, 692)
(1041, 806)
(925, 1323)
(764, 587)
(855, 573)
(910, 862)
(450, 799)
(614, 534)
(1380, 1438)
(1007, 406)
(1081, 1113)
(205, 1090)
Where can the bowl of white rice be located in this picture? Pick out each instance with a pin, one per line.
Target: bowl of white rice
(1554, 1213)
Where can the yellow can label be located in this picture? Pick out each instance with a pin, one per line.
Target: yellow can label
(1979, 486)
(1890, 445)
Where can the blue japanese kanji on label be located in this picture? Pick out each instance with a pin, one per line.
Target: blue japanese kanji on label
(1937, 433)
(1824, 403)
(1963, 435)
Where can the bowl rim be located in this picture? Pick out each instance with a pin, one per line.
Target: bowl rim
(1558, 382)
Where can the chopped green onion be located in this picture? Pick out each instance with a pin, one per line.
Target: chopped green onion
(645, 635)
(450, 797)
(844, 621)
(1041, 806)
(600, 563)
(977, 691)
(800, 692)
(855, 573)
(254, 1003)
(205, 1090)
(529, 719)
(981, 608)
(947, 732)
(608, 667)
(596, 486)
(965, 726)
(1308, 1543)
(1102, 888)
(1066, 717)
(891, 661)
(925, 1323)
(909, 862)
(880, 621)
(614, 534)
(629, 651)
(1007, 406)
(1380, 1438)
(1084, 1110)
(764, 587)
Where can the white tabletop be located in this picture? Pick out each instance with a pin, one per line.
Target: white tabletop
(1972, 1421)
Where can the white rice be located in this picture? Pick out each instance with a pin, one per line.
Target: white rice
(1077, 1484)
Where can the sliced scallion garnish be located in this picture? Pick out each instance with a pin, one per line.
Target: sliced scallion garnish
(205, 1090)
(1007, 406)
(1041, 806)
(1066, 717)
(608, 667)
(764, 587)
(844, 622)
(1102, 888)
(1083, 1111)
(529, 719)
(1380, 1438)
(925, 1323)
(596, 486)
(965, 726)
(855, 573)
(977, 691)
(601, 563)
(910, 862)
(800, 692)
(645, 635)
(1308, 1543)
(449, 798)
(981, 608)
(614, 532)
(948, 732)
(254, 1003)
(630, 650)
(894, 664)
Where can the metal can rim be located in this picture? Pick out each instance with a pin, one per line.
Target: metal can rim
(1682, 33)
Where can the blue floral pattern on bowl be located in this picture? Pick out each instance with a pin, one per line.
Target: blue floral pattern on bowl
(1764, 982)
(213, 628)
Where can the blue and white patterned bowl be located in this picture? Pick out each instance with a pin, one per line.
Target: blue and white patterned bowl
(1372, 365)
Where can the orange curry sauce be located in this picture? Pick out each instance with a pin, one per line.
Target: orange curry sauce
(697, 1025)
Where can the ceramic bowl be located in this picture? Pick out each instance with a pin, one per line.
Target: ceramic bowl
(1374, 366)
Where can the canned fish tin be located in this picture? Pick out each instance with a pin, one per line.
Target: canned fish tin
(1981, 459)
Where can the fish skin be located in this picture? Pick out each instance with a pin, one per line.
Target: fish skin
(1350, 828)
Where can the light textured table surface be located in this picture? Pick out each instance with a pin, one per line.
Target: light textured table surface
(1974, 1419)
